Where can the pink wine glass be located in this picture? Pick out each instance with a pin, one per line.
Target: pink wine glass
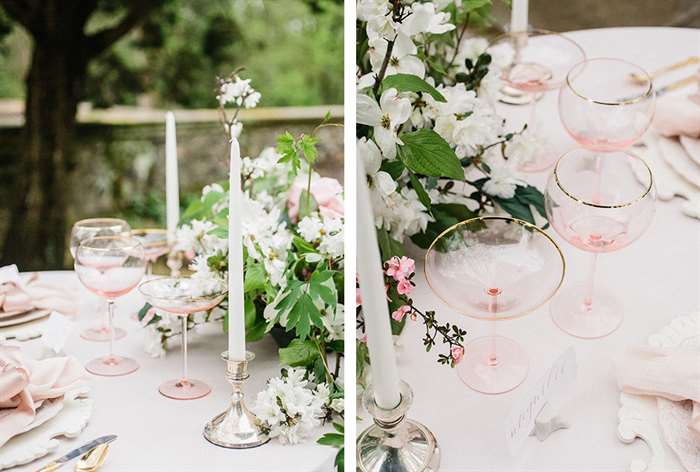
(155, 244)
(537, 62)
(183, 296)
(494, 268)
(606, 104)
(598, 203)
(90, 228)
(111, 267)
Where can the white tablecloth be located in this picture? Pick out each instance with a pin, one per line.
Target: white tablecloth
(657, 277)
(160, 434)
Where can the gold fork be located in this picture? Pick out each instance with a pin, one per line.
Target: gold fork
(93, 459)
(640, 79)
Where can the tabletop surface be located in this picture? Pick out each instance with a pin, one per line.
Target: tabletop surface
(159, 434)
(656, 277)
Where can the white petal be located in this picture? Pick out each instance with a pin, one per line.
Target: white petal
(386, 141)
(368, 112)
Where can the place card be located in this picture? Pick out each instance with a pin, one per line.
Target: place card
(551, 389)
(55, 331)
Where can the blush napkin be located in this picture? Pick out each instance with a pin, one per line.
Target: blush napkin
(19, 294)
(678, 116)
(673, 374)
(25, 384)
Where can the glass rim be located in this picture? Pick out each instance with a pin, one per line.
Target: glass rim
(134, 243)
(139, 232)
(537, 32)
(520, 222)
(115, 221)
(153, 281)
(598, 205)
(627, 100)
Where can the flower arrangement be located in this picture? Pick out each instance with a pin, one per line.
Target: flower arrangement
(293, 283)
(434, 149)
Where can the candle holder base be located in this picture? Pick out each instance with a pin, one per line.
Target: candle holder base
(394, 442)
(237, 427)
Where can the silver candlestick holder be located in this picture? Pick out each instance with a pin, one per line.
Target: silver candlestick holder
(237, 427)
(395, 443)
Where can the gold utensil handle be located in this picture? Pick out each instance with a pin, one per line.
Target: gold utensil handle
(50, 467)
(678, 65)
(677, 84)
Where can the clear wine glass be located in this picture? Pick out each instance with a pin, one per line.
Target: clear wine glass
(607, 104)
(536, 62)
(90, 228)
(183, 296)
(155, 244)
(598, 203)
(494, 268)
(110, 266)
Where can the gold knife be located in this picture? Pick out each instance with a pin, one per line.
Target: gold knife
(75, 453)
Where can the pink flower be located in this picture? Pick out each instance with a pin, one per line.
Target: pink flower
(457, 352)
(401, 268)
(358, 296)
(401, 312)
(404, 287)
(363, 339)
(327, 192)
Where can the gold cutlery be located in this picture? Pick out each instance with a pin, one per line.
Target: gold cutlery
(93, 459)
(659, 72)
(677, 84)
(75, 453)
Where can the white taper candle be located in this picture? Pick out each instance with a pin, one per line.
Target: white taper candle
(385, 375)
(518, 16)
(236, 304)
(172, 186)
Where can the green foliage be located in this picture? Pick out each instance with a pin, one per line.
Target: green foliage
(411, 83)
(336, 440)
(426, 152)
(174, 56)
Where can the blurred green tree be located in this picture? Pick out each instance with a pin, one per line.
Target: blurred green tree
(170, 53)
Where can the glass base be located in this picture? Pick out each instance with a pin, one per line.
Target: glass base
(513, 96)
(179, 389)
(540, 163)
(101, 334)
(493, 364)
(112, 366)
(573, 316)
(410, 448)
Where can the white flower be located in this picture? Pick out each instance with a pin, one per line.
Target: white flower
(425, 19)
(310, 228)
(334, 322)
(524, 148)
(289, 407)
(380, 23)
(239, 92)
(403, 58)
(391, 112)
(502, 182)
(337, 405)
(470, 48)
(211, 188)
(153, 345)
(251, 100)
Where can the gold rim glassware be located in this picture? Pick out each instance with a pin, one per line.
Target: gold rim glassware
(110, 267)
(607, 104)
(599, 203)
(494, 268)
(534, 63)
(90, 228)
(183, 296)
(155, 244)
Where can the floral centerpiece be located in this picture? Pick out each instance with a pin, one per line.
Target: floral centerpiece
(434, 149)
(293, 283)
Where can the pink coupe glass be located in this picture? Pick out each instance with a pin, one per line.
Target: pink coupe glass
(155, 244)
(183, 296)
(90, 228)
(606, 104)
(494, 268)
(598, 203)
(111, 267)
(537, 62)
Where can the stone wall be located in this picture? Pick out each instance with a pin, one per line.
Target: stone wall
(119, 158)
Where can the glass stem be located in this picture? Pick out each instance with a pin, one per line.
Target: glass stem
(588, 301)
(110, 318)
(184, 349)
(493, 308)
(149, 269)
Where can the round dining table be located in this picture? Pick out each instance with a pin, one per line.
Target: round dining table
(155, 433)
(657, 278)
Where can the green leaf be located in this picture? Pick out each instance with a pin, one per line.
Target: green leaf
(426, 152)
(446, 215)
(331, 439)
(388, 246)
(254, 325)
(299, 353)
(411, 83)
(470, 5)
(423, 196)
(340, 460)
(307, 204)
(302, 245)
(394, 168)
(307, 144)
(255, 276)
(530, 195)
(144, 309)
(516, 208)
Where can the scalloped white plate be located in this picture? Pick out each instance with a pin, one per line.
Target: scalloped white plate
(43, 439)
(655, 420)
